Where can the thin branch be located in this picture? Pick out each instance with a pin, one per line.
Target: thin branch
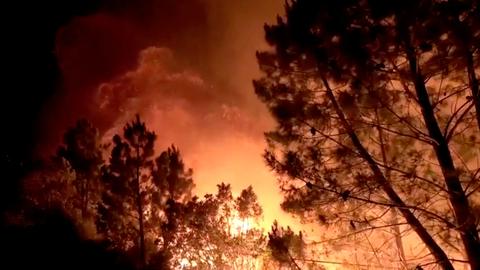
(357, 232)
(412, 128)
(410, 207)
(473, 191)
(344, 263)
(451, 132)
(373, 249)
(412, 175)
(328, 137)
(408, 92)
(448, 96)
(416, 136)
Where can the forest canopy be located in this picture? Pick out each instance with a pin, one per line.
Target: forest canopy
(367, 113)
(125, 198)
(377, 106)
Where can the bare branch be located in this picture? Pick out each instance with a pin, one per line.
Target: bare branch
(448, 134)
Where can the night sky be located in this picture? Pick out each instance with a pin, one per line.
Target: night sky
(31, 76)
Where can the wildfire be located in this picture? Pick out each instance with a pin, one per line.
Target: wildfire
(241, 225)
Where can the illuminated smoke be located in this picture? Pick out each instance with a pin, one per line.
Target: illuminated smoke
(186, 67)
(218, 139)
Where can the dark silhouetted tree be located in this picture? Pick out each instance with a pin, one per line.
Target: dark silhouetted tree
(83, 150)
(285, 246)
(52, 186)
(70, 180)
(247, 204)
(173, 178)
(175, 185)
(48, 239)
(289, 250)
(142, 194)
(129, 189)
(142, 204)
(375, 104)
(212, 234)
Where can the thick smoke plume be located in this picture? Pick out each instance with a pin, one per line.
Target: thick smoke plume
(186, 67)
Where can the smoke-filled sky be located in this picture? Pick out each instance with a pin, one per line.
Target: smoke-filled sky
(186, 67)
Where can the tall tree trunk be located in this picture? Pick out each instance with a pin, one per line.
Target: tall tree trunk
(140, 213)
(462, 210)
(465, 41)
(169, 227)
(416, 225)
(85, 198)
(474, 85)
(396, 228)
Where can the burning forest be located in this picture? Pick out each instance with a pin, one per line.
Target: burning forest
(211, 134)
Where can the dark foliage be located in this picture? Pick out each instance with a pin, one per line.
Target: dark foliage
(375, 104)
(49, 240)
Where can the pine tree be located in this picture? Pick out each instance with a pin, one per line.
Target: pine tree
(143, 195)
(129, 189)
(207, 235)
(83, 150)
(373, 113)
(286, 247)
(70, 180)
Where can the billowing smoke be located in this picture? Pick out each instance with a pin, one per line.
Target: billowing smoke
(186, 67)
(178, 103)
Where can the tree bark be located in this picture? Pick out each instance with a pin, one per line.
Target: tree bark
(140, 213)
(465, 41)
(462, 210)
(474, 85)
(416, 225)
(85, 198)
